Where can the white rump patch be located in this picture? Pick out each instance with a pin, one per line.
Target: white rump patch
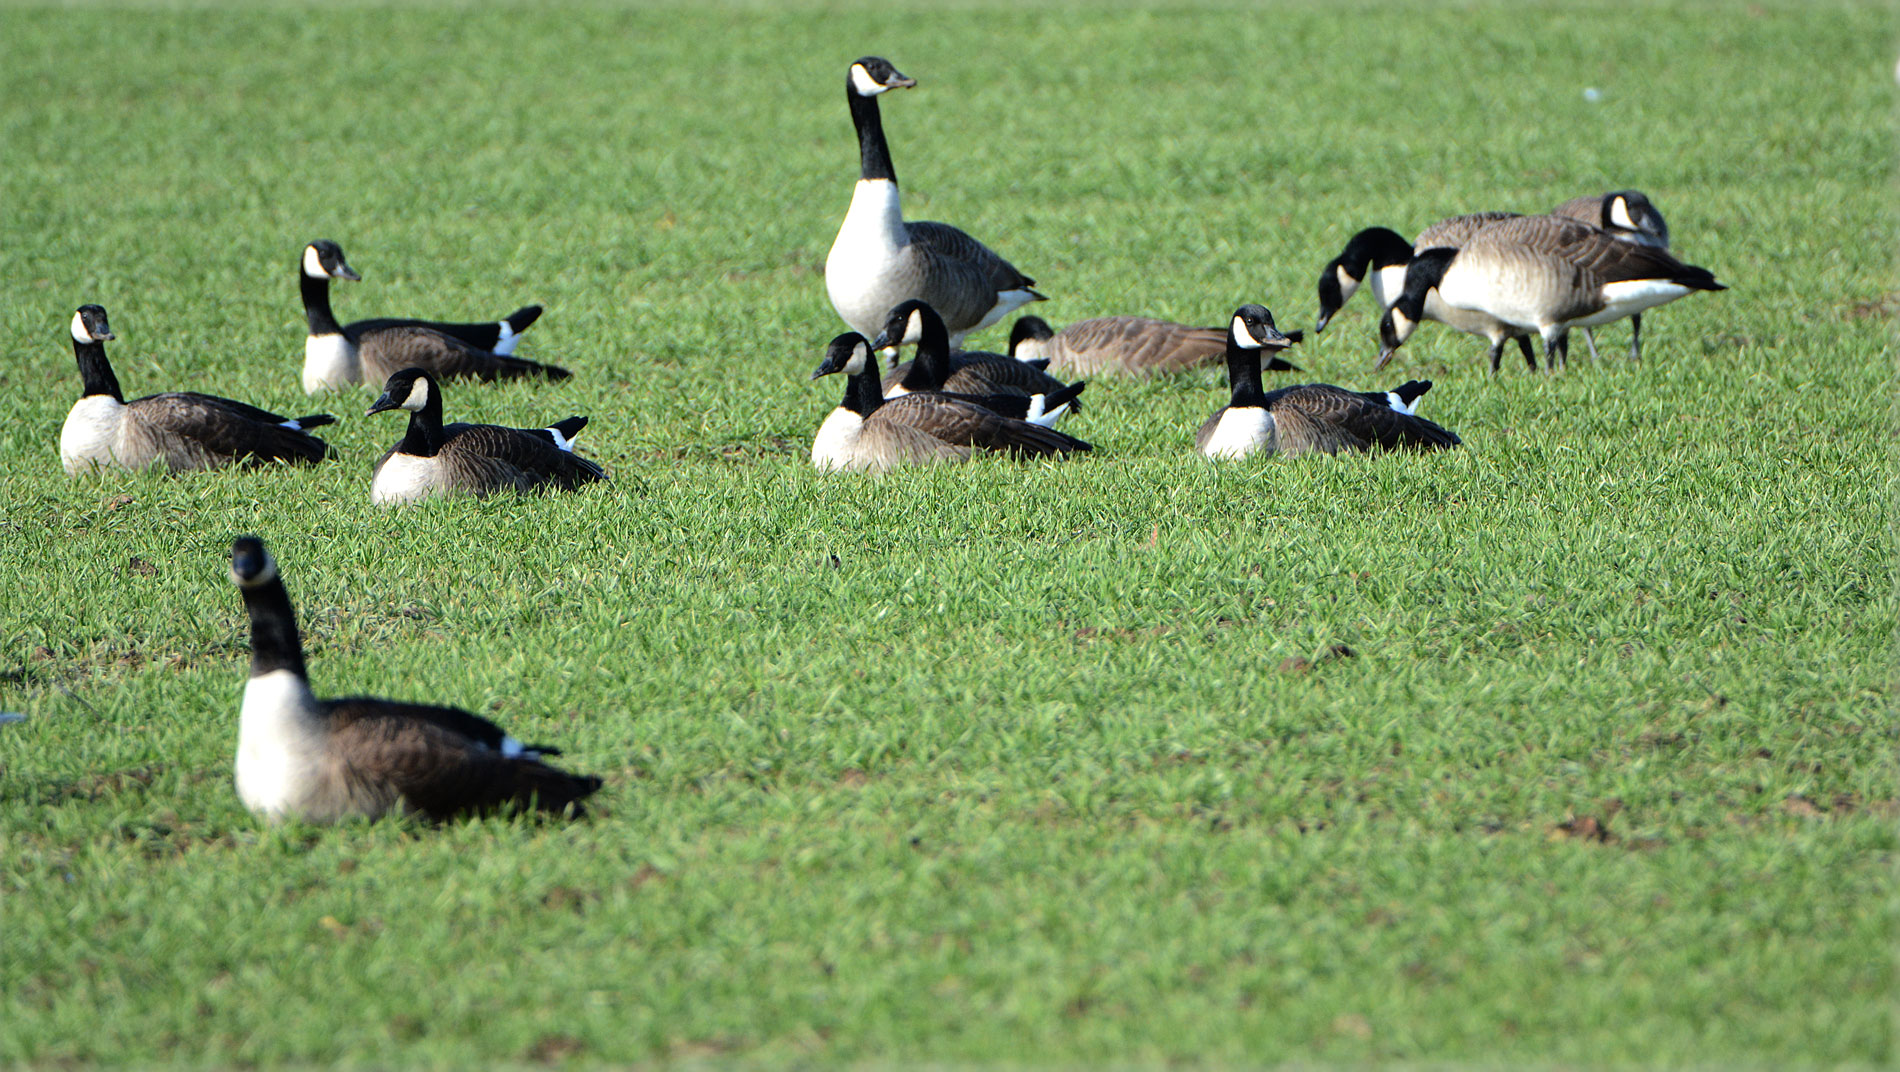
(505, 344)
(836, 442)
(1241, 431)
(561, 442)
(1632, 296)
(1243, 336)
(1396, 402)
(1037, 415)
(329, 361)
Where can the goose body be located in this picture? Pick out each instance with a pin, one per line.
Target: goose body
(362, 757)
(868, 432)
(470, 459)
(1136, 346)
(968, 372)
(336, 355)
(879, 259)
(1309, 417)
(180, 430)
(1629, 216)
(1544, 274)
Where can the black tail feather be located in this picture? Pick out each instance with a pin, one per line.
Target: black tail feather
(519, 320)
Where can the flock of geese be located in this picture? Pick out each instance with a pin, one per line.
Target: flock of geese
(895, 283)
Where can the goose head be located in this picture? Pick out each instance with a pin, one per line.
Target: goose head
(323, 259)
(847, 353)
(89, 325)
(1027, 336)
(1252, 329)
(1368, 251)
(907, 324)
(1631, 212)
(1422, 276)
(251, 564)
(871, 75)
(410, 389)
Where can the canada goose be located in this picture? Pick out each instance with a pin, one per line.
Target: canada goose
(935, 368)
(336, 354)
(879, 259)
(1133, 345)
(1310, 417)
(871, 433)
(470, 459)
(181, 430)
(1545, 274)
(325, 760)
(1627, 215)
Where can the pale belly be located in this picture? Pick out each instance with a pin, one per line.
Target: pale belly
(90, 437)
(1240, 432)
(833, 448)
(405, 478)
(329, 361)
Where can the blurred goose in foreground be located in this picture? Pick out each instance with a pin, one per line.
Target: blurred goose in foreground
(470, 459)
(1310, 417)
(335, 355)
(180, 430)
(1629, 216)
(879, 259)
(1543, 274)
(871, 433)
(935, 368)
(324, 760)
(1129, 345)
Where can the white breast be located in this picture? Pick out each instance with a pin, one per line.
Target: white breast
(280, 743)
(864, 254)
(90, 436)
(405, 478)
(329, 361)
(1240, 432)
(837, 439)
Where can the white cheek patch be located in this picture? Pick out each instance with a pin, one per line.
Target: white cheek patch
(914, 331)
(862, 81)
(264, 576)
(1244, 337)
(313, 264)
(859, 354)
(80, 334)
(1403, 325)
(418, 396)
(1348, 286)
(1620, 215)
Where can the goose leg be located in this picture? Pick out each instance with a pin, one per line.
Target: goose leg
(1590, 339)
(1497, 354)
(1636, 337)
(1555, 349)
(1530, 357)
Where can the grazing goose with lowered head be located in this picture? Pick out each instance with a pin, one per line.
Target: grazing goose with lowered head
(1137, 346)
(1627, 215)
(870, 433)
(1310, 417)
(970, 372)
(335, 355)
(879, 259)
(180, 430)
(470, 459)
(321, 761)
(1543, 274)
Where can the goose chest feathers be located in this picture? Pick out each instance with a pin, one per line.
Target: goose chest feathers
(180, 430)
(361, 757)
(336, 355)
(470, 459)
(1310, 417)
(879, 259)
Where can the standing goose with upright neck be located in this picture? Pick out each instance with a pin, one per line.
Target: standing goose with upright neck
(336, 355)
(359, 756)
(879, 260)
(179, 430)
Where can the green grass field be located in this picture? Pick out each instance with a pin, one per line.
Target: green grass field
(1013, 764)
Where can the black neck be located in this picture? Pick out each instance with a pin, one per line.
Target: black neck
(275, 644)
(874, 157)
(316, 305)
(424, 436)
(864, 392)
(95, 373)
(1243, 375)
(931, 370)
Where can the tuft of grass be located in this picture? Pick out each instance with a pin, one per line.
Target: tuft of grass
(1574, 746)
